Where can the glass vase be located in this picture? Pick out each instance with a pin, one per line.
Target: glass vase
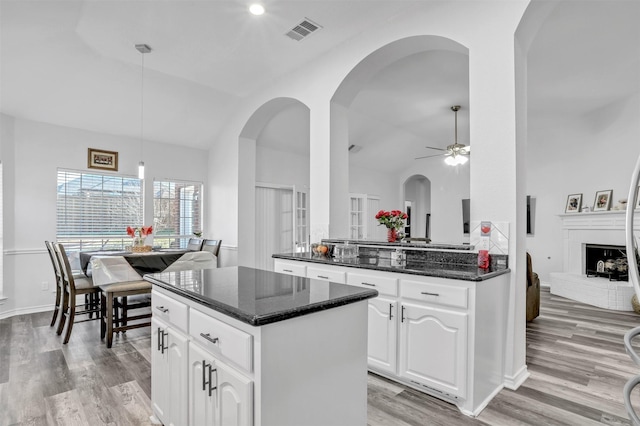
(392, 235)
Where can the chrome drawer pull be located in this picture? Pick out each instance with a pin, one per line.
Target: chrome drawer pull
(430, 294)
(323, 277)
(209, 338)
(287, 270)
(372, 285)
(162, 309)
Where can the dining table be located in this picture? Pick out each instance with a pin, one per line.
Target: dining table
(141, 262)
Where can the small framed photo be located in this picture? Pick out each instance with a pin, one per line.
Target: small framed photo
(103, 160)
(574, 203)
(602, 203)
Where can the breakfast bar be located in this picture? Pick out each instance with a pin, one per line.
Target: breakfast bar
(241, 346)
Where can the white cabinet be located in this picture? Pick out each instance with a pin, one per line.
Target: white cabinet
(218, 394)
(326, 273)
(433, 348)
(289, 268)
(382, 334)
(442, 336)
(168, 373)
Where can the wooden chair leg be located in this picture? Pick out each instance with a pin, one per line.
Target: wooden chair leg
(57, 307)
(124, 312)
(109, 311)
(63, 312)
(72, 317)
(103, 324)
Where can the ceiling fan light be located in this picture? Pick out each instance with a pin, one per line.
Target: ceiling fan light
(451, 160)
(462, 159)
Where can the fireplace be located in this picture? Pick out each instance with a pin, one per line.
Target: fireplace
(608, 261)
(604, 233)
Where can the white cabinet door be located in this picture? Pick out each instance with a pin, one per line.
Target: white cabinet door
(382, 333)
(159, 368)
(177, 373)
(433, 348)
(218, 394)
(201, 393)
(235, 397)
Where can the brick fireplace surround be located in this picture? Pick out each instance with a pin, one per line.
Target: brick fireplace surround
(579, 229)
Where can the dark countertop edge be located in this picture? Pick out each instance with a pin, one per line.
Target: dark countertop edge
(404, 245)
(259, 320)
(438, 273)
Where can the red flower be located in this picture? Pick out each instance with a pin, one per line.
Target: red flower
(131, 232)
(146, 230)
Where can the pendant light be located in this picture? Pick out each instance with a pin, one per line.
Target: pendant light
(142, 48)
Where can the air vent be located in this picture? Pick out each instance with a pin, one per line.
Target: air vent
(354, 148)
(303, 29)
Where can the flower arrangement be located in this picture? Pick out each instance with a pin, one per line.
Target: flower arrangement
(392, 220)
(139, 235)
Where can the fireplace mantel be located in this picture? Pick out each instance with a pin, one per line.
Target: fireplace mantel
(578, 229)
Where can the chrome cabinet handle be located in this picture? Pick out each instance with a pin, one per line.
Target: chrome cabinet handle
(208, 337)
(323, 277)
(162, 309)
(163, 347)
(430, 294)
(369, 284)
(402, 317)
(390, 311)
(159, 341)
(287, 270)
(206, 366)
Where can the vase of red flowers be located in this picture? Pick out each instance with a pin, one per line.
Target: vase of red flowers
(139, 236)
(393, 220)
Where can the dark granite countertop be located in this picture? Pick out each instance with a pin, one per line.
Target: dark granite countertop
(464, 272)
(258, 297)
(402, 244)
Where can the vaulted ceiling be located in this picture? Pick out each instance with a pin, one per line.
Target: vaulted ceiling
(73, 63)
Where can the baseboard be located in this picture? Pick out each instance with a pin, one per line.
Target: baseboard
(25, 311)
(514, 382)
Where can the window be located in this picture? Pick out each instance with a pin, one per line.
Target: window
(177, 212)
(302, 223)
(94, 210)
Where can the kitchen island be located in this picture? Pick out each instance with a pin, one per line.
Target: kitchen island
(250, 347)
(439, 322)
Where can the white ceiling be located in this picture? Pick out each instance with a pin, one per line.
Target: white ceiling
(73, 63)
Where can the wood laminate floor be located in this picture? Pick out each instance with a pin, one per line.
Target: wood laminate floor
(575, 356)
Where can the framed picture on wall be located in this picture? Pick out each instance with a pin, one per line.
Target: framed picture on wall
(602, 202)
(103, 160)
(574, 202)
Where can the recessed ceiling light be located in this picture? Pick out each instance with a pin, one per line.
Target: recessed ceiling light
(256, 9)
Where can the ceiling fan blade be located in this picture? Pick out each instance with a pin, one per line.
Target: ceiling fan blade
(433, 147)
(429, 156)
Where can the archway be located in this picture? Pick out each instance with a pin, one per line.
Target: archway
(276, 134)
(393, 104)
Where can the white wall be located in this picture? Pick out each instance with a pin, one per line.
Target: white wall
(610, 147)
(38, 150)
(283, 168)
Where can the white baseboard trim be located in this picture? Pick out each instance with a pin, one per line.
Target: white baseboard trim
(25, 311)
(514, 382)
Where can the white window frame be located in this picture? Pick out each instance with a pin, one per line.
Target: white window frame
(181, 238)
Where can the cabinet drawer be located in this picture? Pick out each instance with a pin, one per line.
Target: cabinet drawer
(222, 339)
(384, 285)
(435, 293)
(170, 310)
(326, 274)
(288, 268)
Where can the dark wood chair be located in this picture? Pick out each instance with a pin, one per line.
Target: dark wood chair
(533, 292)
(117, 300)
(212, 245)
(194, 244)
(73, 286)
(58, 278)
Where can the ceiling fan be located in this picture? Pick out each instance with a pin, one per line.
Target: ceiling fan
(455, 153)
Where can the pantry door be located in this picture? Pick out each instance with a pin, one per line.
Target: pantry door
(274, 223)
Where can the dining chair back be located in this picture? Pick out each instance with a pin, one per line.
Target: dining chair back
(58, 280)
(212, 245)
(194, 244)
(73, 286)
